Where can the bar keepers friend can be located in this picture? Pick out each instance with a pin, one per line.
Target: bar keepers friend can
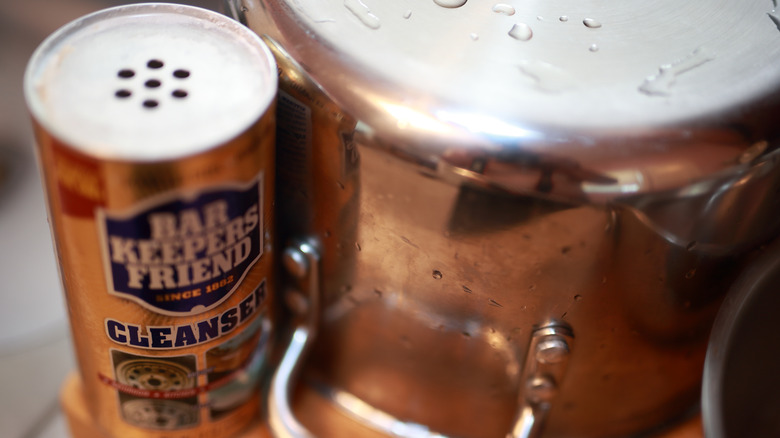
(155, 128)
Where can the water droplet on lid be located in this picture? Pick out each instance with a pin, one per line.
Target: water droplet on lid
(467, 289)
(407, 13)
(503, 8)
(450, 3)
(591, 23)
(437, 275)
(594, 48)
(547, 77)
(363, 13)
(690, 274)
(474, 37)
(563, 18)
(494, 303)
(357, 246)
(775, 18)
(578, 298)
(691, 246)
(661, 83)
(521, 32)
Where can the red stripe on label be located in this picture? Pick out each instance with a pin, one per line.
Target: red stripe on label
(170, 395)
(79, 183)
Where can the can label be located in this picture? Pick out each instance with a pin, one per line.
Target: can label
(169, 337)
(79, 183)
(163, 392)
(182, 255)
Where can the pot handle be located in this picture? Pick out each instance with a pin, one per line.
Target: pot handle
(545, 363)
(302, 262)
(545, 366)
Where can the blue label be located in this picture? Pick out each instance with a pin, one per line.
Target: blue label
(183, 255)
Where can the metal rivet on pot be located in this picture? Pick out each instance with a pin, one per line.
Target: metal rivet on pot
(294, 261)
(540, 389)
(552, 350)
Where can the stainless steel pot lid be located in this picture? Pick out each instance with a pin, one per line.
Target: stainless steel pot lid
(569, 64)
(741, 386)
(595, 83)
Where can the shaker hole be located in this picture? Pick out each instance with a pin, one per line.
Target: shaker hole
(123, 93)
(126, 73)
(154, 63)
(151, 103)
(179, 94)
(181, 74)
(152, 83)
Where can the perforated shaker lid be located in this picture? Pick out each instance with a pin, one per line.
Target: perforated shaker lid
(150, 81)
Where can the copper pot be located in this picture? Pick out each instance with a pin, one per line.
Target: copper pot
(516, 215)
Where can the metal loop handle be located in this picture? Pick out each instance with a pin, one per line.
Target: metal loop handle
(545, 364)
(281, 418)
(302, 263)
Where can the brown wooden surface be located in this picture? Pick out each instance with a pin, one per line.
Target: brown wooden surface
(329, 422)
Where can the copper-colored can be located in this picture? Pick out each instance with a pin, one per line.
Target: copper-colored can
(155, 134)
